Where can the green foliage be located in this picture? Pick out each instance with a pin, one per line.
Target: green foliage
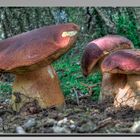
(70, 75)
(127, 27)
(5, 90)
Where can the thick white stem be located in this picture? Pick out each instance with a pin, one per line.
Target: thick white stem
(111, 84)
(130, 94)
(41, 85)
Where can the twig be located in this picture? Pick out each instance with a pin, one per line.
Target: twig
(103, 123)
(2, 112)
(91, 86)
(90, 93)
(106, 18)
(86, 96)
(77, 97)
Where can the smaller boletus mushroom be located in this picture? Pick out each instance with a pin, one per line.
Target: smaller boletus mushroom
(96, 51)
(124, 63)
(29, 56)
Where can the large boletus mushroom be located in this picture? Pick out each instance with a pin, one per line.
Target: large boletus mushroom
(29, 56)
(96, 51)
(126, 64)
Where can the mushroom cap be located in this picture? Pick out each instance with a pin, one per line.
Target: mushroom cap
(90, 58)
(98, 48)
(36, 48)
(122, 61)
(113, 42)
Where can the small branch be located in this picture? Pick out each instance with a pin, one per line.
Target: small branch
(90, 93)
(105, 18)
(2, 112)
(103, 123)
(77, 97)
(91, 86)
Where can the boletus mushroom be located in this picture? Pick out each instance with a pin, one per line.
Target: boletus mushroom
(29, 56)
(96, 51)
(124, 63)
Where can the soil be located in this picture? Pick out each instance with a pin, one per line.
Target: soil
(85, 117)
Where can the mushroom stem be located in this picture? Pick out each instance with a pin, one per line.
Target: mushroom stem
(41, 85)
(111, 84)
(106, 86)
(130, 94)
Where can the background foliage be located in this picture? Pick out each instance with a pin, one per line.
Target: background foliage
(94, 22)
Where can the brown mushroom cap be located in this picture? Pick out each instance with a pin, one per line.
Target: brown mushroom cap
(113, 42)
(123, 61)
(98, 48)
(36, 48)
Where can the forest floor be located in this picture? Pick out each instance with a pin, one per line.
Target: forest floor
(85, 117)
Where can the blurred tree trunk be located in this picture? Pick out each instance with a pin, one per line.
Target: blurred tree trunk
(7, 22)
(37, 14)
(99, 21)
(106, 18)
(3, 24)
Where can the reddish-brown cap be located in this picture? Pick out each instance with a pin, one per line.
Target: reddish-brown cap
(122, 61)
(90, 58)
(36, 48)
(100, 47)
